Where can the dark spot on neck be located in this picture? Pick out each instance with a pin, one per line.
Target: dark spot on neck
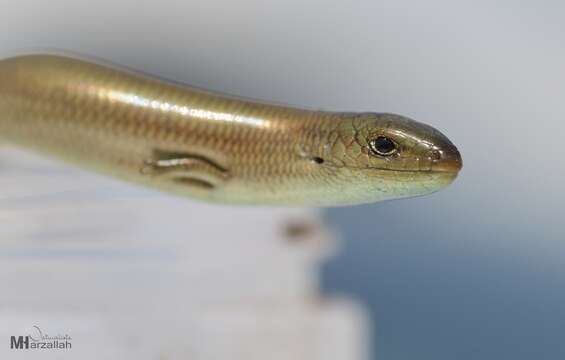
(317, 160)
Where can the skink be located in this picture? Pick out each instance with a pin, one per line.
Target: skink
(214, 147)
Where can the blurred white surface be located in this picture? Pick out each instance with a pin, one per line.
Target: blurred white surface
(133, 274)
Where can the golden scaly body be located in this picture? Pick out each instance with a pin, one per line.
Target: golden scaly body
(210, 146)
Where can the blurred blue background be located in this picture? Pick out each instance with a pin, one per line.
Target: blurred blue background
(442, 288)
(476, 271)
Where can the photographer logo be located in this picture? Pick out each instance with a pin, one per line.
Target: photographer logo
(38, 339)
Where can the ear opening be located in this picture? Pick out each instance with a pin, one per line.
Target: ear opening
(317, 160)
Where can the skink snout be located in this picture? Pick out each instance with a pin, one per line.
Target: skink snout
(446, 159)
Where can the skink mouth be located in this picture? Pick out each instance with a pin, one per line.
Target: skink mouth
(416, 171)
(448, 169)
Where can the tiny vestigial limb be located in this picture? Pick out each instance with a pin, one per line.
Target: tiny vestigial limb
(189, 169)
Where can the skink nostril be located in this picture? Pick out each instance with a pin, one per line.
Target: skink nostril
(436, 155)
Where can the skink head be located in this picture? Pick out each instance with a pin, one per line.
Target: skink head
(385, 156)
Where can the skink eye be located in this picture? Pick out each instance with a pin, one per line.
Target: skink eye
(383, 146)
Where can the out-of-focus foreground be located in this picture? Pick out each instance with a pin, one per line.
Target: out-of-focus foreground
(132, 274)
